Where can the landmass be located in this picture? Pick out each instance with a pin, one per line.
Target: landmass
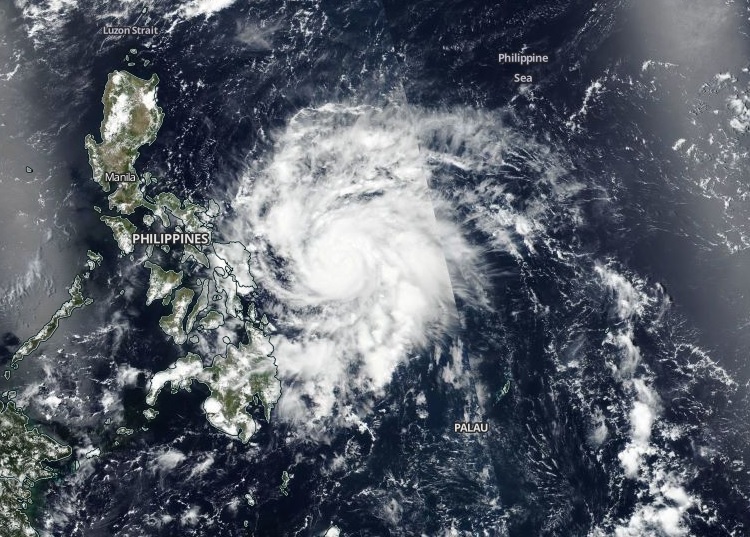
(77, 300)
(23, 451)
(221, 324)
(123, 230)
(236, 379)
(94, 260)
(208, 289)
(161, 283)
(173, 324)
(284, 487)
(131, 120)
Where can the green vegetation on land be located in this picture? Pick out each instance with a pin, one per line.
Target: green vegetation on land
(77, 300)
(23, 451)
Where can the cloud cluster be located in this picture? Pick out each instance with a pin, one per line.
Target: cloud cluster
(663, 510)
(347, 243)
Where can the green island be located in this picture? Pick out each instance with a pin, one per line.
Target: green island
(23, 451)
(94, 260)
(77, 300)
(161, 282)
(131, 120)
(284, 487)
(123, 230)
(173, 324)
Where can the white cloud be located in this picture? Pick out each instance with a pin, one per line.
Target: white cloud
(204, 8)
(191, 516)
(641, 419)
(628, 299)
(169, 460)
(201, 467)
(650, 521)
(347, 242)
(663, 500)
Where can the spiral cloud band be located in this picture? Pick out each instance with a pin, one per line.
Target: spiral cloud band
(348, 246)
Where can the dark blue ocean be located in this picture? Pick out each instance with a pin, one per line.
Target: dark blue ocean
(637, 245)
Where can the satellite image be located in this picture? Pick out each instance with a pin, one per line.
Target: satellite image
(366, 268)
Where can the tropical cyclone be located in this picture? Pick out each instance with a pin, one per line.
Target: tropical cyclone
(210, 298)
(349, 249)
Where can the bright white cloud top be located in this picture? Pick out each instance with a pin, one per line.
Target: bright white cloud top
(348, 244)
